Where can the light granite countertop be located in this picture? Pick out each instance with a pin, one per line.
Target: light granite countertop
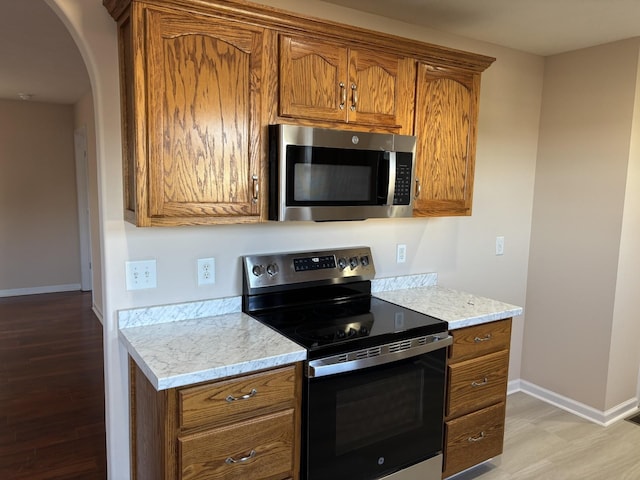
(460, 309)
(183, 344)
(178, 353)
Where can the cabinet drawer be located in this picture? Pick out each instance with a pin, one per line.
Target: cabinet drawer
(260, 448)
(479, 340)
(477, 383)
(237, 399)
(473, 438)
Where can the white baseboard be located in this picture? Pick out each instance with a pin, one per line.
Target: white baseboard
(15, 292)
(599, 417)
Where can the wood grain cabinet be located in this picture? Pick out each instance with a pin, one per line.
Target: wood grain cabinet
(446, 127)
(329, 81)
(201, 80)
(242, 428)
(192, 117)
(476, 394)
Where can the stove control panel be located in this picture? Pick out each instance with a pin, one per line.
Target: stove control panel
(326, 266)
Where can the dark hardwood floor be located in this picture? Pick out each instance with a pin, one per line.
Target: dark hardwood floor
(51, 388)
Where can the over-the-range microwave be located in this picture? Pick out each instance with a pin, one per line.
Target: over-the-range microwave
(330, 175)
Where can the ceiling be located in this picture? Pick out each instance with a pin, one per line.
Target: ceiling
(39, 57)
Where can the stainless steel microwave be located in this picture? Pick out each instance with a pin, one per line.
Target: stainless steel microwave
(331, 175)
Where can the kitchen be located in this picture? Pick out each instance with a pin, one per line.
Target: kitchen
(511, 166)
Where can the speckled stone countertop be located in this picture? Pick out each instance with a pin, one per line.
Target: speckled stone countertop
(460, 309)
(183, 344)
(178, 345)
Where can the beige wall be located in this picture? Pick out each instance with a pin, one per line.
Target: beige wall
(581, 176)
(460, 249)
(38, 212)
(84, 117)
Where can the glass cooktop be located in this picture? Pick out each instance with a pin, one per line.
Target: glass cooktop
(328, 328)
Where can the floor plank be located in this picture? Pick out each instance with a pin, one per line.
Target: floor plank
(51, 388)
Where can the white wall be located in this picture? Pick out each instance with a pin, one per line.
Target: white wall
(577, 319)
(460, 249)
(39, 241)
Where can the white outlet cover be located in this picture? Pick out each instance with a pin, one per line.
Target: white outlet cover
(206, 271)
(140, 274)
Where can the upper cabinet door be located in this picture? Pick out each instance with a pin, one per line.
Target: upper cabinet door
(446, 129)
(313, 79)
(203, 111)
(328, 81)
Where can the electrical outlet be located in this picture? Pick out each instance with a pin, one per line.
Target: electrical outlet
(401, 253)
(500, 245)
(206, 271)
(141, 274)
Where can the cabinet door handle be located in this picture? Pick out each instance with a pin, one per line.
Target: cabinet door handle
(231, 460)
(252, 393)
(486, 338)
(354, 97)
(256, 189)
(418, 188)
(484, 381)
(343, 95)
(477, 438)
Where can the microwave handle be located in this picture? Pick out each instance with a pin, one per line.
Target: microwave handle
(391, 184)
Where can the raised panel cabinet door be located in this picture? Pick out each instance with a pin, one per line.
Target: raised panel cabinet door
(203, 116)
(446, 128)
(374, 88)
(313, 79)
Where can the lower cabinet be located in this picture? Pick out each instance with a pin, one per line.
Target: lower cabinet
(476, 395)
(241, 428)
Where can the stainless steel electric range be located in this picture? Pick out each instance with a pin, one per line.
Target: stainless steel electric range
(373, 395)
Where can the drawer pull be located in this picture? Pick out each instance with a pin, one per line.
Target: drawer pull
(486, 338)
(477, 438)
(484, 381)
(252, 393)
(231, 460)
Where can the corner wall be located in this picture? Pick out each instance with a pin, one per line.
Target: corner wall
(579, 202)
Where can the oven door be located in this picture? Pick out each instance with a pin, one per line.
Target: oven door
(372, 422)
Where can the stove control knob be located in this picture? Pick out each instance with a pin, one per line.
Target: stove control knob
(272, 269)
(353, 262)
(342, 263)
(364, 260)
(257, 270)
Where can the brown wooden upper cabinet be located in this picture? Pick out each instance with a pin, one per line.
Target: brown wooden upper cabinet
(446, 129)
(202, 80)
(193, 148)
(329, 81)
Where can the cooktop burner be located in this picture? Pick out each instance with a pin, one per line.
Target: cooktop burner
(327, 306)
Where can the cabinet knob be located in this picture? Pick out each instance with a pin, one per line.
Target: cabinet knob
(418, 188)
(486, 338)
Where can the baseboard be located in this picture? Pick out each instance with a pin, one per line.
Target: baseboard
(599, 417)
(16, 292)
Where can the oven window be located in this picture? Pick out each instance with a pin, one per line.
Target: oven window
(370, 413)
(371, 422)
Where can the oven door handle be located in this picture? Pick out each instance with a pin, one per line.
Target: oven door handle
(336, 364)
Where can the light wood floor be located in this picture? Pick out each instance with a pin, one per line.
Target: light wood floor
(543, 442)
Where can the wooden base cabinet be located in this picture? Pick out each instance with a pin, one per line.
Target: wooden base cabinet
(476, 395)
(242, 428)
